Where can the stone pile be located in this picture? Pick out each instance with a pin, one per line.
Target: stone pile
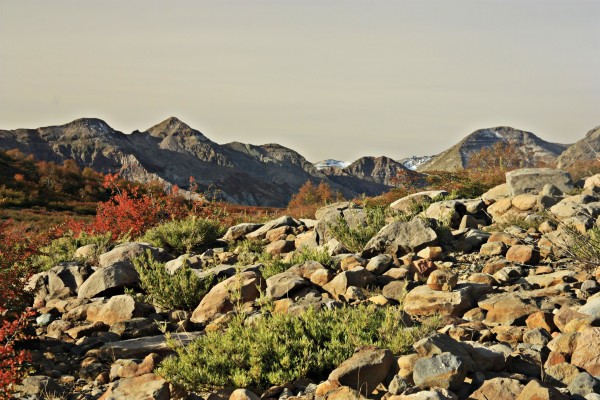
(519, 320)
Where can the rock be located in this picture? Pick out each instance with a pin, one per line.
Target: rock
(491, 358)
(431, 253)
(124, 368)
(423, 301)
(493, 249)
(496, 193)
(124, 253)
(523, 254)
(243, 394)
(442, 280)
(524, 202)
(587, 351)
(86, 330)
(395, 290)
(591, 308)
(533, 180)
(192, 261)
(422, 267)
(379, 264)
(542, 320)
(561, 373)
(108, 280)
(261, 232)
(350, 261)
(411, 203)
(498, 389)
(506, 309)
(144, 387)
(121, 308)
(432, 394)
(535, 390)
(141, 347)
(438, 343)
(238, 232)
(358, 277)
(66, 278)
(448, 212)
(584, 384)
(590, 287)
(444, 370)
(564, 343)
(38, 385)
(309, 240)
(401, 237)
(280, 285)
(365, 370)
(135, 328)
(565, 315)
(280, 247)
(537, 336)
(219, 299)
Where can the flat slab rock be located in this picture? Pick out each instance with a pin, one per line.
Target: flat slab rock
(143, 346)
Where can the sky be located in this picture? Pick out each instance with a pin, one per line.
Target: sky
(330, 79)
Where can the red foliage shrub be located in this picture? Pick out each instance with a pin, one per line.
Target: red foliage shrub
(17, 244)
(309, 198)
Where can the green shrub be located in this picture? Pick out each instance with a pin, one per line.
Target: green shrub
(182, 290)
(315, 254)
(355, 238)
(273, 265)
(281, 348)
(184, 235)
(63, 249)
(583, 247)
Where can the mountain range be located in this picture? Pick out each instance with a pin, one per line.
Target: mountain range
(266, 175)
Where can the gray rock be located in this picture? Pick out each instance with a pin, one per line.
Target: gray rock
(409, 204)
(379, 264)
(537, 336)
(444, 371)
(358, 277)
(439, 343)
(365, 370)
(109, 279)
(239, 231)
(141, 347)
(282, 284)
(590, 286)
(533, 180)
(125, 252)
(192, 261)
(66, 278)
(584, 384)
(44, 319)
(261, 232)
(591, 308)
(448, 212)
(401, 237)
(38, 385)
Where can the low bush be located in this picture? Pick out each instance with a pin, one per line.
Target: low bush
(183, 236)
(181, 290)
(63, 249)
(281, 348)
(273, 265)
(583, 247)
(355, 238)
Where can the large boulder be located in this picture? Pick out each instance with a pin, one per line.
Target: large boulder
(280, 285)
(124, 253)
(587, 351)
(412, 203)
(506, 309)
(335, 214)
(357, 277)
(498, 389)
(261, 232)
(144, 387)
(120, 308)
(243, 287)
(424, 301)
(365, 370)
(444, 370)
(533, 180)
(401, 237)
(238, 232)
(109, 280)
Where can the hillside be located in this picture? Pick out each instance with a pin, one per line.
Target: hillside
(586, 149)
(171, 152)
(457, 157)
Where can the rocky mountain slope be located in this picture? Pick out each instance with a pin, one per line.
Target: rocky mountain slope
(171, 152)
(457, 157)
(517, 316)
(369, 174)
(586, 149)
(414, 162)
(331, 163)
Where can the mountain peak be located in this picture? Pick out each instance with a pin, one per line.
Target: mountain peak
(173, 126)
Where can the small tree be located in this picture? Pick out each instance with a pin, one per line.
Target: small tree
(310, 197)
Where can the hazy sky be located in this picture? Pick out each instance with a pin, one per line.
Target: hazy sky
(330, 79)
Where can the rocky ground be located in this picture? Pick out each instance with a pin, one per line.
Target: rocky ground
(519, 319)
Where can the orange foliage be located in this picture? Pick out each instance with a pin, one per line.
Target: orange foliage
(309, 198)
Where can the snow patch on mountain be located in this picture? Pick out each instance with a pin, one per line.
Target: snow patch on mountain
(413, 162)
(331, 163)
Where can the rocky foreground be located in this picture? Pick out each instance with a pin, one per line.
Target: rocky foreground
(518, 318)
